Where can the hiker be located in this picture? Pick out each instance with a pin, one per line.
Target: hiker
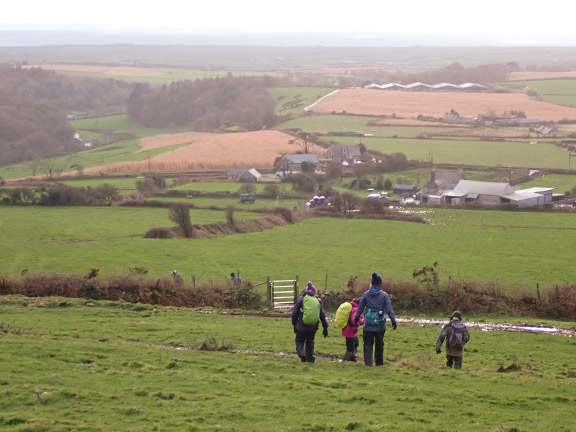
(350, 332)
(307, 313)
(176, 277)
(373, 303)
(236, 281)
(456, 335)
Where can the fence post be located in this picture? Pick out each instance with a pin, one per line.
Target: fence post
(194, 281)
(538, 290)
(296, 287)
(269, 290)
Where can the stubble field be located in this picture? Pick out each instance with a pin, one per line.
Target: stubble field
(208, 151)
(411, 104)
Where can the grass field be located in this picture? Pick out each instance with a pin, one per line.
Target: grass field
(100, 366)
(559, 91)
(292, 100)
(511, 249)
(479, 153)
(322, 124)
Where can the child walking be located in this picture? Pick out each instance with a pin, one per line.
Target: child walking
(350, 332)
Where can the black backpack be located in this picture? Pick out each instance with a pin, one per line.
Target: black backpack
(458, 335)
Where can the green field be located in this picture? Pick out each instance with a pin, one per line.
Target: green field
(462, 152)
(323, 124)
(560, 91)
(293, 100)
(509, 248)
(101, 366)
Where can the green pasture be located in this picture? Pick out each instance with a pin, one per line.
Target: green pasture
(292, 100)
(322, 124)
(560, 182)
(511, 249)
(561, 91)
(121, 151)
(121, 124)
(468, 152)
(265, 203)
(102, 366)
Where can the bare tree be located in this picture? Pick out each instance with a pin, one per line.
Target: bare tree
(305, 140)
(180, 215)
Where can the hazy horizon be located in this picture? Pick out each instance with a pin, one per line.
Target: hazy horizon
(21, 36)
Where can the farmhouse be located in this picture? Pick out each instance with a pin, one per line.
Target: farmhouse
(293, 163)
(437, 184)
(341, 153)
(244, 174)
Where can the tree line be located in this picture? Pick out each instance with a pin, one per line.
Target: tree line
(205, 105)
(33, 108)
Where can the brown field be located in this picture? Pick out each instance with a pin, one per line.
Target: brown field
(209, 151)
(537, 75)
(99, 69)
(411, 104)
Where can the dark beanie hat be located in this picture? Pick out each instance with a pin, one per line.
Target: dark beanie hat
(457, 315)
(376, 279)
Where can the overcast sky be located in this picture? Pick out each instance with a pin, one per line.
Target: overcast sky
(523, 20)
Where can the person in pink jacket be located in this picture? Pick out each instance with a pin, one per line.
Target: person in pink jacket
(350, 332)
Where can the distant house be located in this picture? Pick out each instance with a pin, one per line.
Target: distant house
(244, 174)
(404, 189)
(292, 163)
(341, 153)
(438, 183)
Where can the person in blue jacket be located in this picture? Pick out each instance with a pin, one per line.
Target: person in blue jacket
(373, 304)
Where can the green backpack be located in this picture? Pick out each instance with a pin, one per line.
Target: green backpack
(310, 310)
(342, 315)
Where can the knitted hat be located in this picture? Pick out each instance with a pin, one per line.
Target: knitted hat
(310, 287)
(376, 279)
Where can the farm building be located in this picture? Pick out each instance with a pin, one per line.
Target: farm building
(438, 182)
(403, 189)
(244, 174)
(418, 86)
(341, 153)
(491, 194)
(483, 193)
(535, 196)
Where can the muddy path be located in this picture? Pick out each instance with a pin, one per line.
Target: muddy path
(426, 322)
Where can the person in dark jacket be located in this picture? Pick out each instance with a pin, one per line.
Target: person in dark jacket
(454, 355)
(305, 333)
(373, 304)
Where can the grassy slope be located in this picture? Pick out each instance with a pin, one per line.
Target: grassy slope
(510, 248)
(463, 152)
(77, 365)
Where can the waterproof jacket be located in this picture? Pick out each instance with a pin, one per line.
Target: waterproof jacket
(375, 300)
(351, 329)
(297, 315)
(445, 334)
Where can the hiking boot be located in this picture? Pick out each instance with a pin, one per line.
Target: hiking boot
(303, 358)
(311, 360)
(347, 356)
